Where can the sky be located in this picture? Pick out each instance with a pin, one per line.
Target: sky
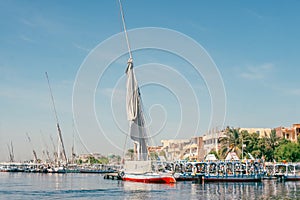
(253, 45)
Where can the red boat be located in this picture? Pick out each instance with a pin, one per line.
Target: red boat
(141, 169)
(149, 178)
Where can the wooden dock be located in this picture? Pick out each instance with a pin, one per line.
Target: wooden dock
(112, 176)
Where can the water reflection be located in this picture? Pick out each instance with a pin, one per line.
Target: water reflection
(187, 190)
(275, 189)
(93, 186)
(263, 190)
(134, 190)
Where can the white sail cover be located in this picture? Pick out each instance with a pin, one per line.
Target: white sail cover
(132, 90)
(138, 167)
(135, 114)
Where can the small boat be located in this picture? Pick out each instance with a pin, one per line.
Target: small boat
(233, 171)
(221, 171)
(143, 171)
(149, 177)
(57, 169)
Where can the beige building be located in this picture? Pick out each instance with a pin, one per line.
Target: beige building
(263, 132)
(211, 141)
(178, 149)
(289, 133)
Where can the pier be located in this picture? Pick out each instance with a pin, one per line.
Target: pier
(112, 176)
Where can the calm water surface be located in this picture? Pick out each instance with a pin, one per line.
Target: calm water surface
(94, 186)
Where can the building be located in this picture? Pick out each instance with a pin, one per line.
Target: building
(211, 141)
(178, 149)
(289, 133)
(263, 132)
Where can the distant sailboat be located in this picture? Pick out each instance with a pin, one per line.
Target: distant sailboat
(60, 165)
(141, 169)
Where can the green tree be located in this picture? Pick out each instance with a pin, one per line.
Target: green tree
(92, 160)
(254, 146)
(288, 151)
(103, 160)
(271, 143)
(231, 142)
(162, 153)
(130, 153)
(153, 155)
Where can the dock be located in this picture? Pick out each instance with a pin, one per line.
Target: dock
(112, 176)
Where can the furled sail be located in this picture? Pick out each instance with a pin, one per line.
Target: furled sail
(135, 113)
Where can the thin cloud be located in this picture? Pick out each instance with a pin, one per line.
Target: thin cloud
(81, 47)
(198, 26)
(40, 23)
(27, 22)
(257, 72)
(26, 39)
(295, 92)
(255, 14)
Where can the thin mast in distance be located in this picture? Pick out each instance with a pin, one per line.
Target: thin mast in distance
(57, 123)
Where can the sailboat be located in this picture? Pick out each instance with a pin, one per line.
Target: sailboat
(59, 167)
(141, 169)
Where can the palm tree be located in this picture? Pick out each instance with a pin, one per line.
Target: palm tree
(253, 144)
(231, 142)
(271, 142)
(130, 153)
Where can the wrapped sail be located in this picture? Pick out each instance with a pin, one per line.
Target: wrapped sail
(135, 113)
(132, 90)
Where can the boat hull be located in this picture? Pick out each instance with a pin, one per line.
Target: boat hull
(186, 177)
(292, 178)
(244, 178)
(149, 178)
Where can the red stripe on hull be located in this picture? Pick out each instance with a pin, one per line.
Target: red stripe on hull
(152, 180)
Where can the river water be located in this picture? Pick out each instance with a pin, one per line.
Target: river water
(94, 186)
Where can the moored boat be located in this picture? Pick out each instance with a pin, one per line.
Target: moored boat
(140, 169)
(221, 171)
(287, 171)
(233, 178)
(143, 171)
(149, 178)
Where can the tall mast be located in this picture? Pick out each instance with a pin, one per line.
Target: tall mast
(11, 152)
(46, 148)
(134, 107)
(73, 149)
(57, 123)
(129, 52)
(54, 148)
(125, 30)
(33, 151)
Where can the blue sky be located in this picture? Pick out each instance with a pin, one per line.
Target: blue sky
(255, 46)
